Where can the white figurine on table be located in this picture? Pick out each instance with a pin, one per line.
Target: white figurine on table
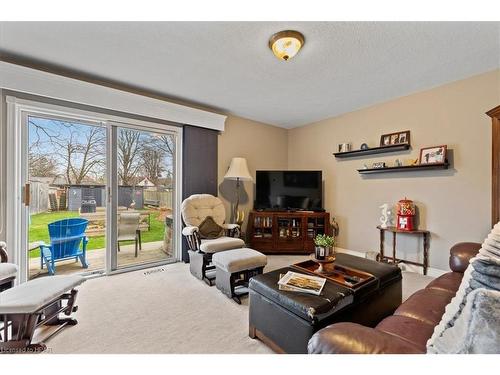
(386, 213)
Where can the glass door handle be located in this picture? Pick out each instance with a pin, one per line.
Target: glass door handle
(26, 195)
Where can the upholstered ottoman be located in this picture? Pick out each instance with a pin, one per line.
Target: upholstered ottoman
(38, 302)
(285, 321)
(234, 269)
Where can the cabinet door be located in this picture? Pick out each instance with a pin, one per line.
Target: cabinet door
(314, 225)
(261, 227)
(289, 228)
(261, 232)
(290, 234)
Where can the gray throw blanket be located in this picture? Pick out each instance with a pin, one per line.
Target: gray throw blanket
(476, 330)
(471, 322)
(480, 280)
(487, 267)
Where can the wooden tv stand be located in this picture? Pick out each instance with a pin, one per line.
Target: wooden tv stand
(285, 232)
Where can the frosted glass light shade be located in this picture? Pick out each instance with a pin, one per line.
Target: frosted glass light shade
(238, 169)
(286, 44)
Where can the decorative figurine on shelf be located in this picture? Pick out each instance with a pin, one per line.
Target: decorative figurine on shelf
(378, 165)
(385, 218)
(344, 147)
(364, 146)
(406, 214)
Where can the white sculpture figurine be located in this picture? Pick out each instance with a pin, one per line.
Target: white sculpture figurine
(385, 215)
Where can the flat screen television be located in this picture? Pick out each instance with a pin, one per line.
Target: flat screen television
(289, 190)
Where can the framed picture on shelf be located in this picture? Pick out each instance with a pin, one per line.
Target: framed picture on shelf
(378, 165)
(390, 139)
(433, 155)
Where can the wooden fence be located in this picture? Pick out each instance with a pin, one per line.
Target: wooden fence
(40, 197)
(39, 192)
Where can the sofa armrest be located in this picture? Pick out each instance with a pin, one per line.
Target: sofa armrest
(461, 253)
(352, 338)
(189, 231)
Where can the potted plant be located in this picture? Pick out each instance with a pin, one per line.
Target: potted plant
(324, 246)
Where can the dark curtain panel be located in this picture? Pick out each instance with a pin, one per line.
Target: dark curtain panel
(199, 166)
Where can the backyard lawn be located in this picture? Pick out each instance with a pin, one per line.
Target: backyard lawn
(38, 230)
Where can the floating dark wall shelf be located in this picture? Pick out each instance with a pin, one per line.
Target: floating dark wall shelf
(373, 150)
(405, 168)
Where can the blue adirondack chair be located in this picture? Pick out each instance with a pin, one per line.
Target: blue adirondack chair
(66, 236)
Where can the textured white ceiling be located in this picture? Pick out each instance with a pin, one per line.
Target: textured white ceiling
(228, 66)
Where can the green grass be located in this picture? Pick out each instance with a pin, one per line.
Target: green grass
(38, 230)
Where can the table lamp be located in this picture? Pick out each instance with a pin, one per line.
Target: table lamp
(238, 170)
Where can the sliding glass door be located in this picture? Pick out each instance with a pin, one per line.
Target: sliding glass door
(64, 195)
(145, 195)
(90, 194)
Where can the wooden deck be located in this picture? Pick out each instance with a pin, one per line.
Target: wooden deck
(151, 252)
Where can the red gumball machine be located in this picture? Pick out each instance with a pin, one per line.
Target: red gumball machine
(406, 214)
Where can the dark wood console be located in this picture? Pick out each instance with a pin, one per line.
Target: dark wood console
(276, 232)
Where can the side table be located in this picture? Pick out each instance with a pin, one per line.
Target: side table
(393, 259)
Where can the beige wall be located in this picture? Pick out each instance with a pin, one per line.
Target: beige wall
(454, 205)
(264, 147)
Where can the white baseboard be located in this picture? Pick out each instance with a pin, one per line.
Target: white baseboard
(361, 254)
(433, 272)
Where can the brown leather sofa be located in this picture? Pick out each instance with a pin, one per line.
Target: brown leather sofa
(411, 325)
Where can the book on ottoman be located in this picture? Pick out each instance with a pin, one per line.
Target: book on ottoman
(298, 282)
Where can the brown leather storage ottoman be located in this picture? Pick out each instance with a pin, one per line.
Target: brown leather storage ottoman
(285, 321)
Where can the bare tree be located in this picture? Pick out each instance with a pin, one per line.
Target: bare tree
(41, 134)
(83, 154)
(41, 165)
(167, 144)
(79, 152)
(128, 155)
(152, 163)
(73, 149)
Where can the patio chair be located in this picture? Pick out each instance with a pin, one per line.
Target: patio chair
(128, 229)
(66, 236)
(195, 211)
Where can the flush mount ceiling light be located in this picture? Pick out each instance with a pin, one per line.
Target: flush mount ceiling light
(286, 44)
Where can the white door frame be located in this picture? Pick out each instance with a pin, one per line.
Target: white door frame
(14, 225)
(113, 190)
(16, 230)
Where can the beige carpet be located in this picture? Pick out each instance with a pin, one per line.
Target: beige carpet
(167, 312)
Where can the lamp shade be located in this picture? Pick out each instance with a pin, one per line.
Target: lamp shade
(286, 44)
(238, 169)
